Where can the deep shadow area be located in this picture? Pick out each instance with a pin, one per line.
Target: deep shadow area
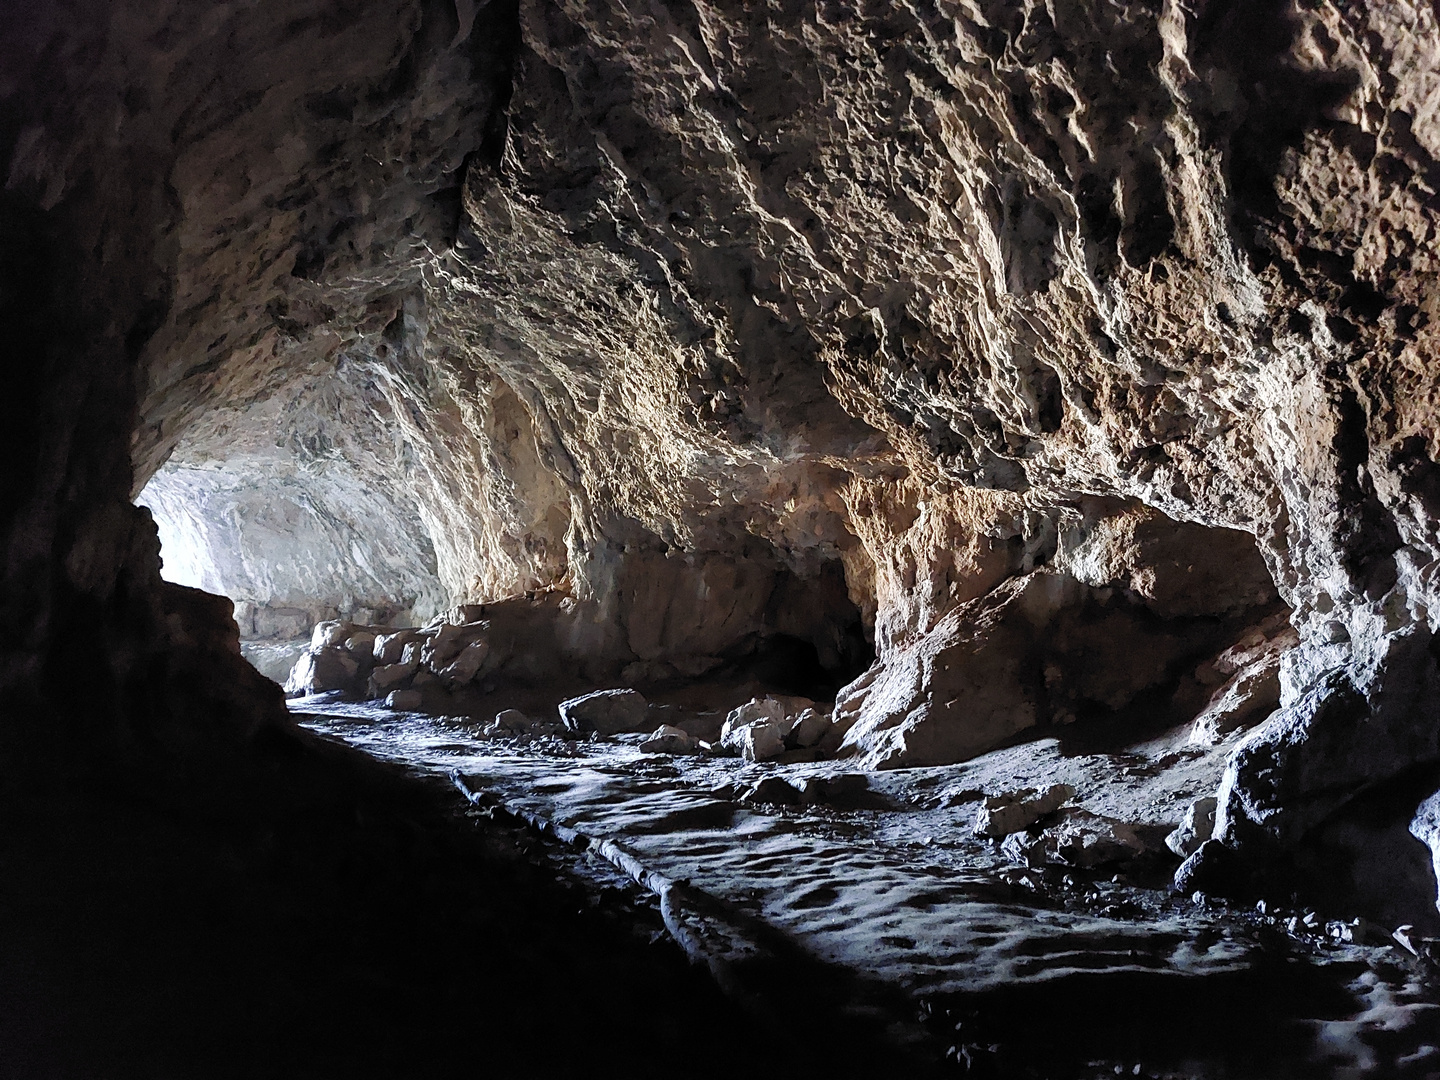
(370, 931)
(1256, 1025)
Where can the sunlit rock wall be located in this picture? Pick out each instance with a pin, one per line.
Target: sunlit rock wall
(303, 516)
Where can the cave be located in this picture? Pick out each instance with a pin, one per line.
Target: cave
(821, 538)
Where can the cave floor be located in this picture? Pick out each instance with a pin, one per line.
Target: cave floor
(883, 901)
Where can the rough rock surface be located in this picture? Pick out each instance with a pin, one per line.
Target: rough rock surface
(853, 326)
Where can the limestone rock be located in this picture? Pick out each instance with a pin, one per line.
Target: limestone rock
(767, 710)
(810, 727)
(320, 670)
(668, 739)
(758, 740)
(1079, 839)
(403, 700)
(1194, 829)
(773, 790)
(465, 665)
(390, 648)
(1425, 827)
(329, 634)
(1013, 811)
(384, 677)
(606, 712)
(513, 720)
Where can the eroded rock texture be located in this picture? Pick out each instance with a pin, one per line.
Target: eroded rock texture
(1071, 343)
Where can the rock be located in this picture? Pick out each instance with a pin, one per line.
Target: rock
(513, 720)
(1213, 868)
(766, 709)
(1001, 815)
(390, 648)
(1194, 829)
(385, 677)
(1079, 839)
(465, 666)
(1407, 938)
(1251, 694)
(774, 790)
(1425, 827)
(1087, 840)
(810, 727)
(844, 792)
(361, 645)
(443, 644)
(759, 740)
(667, 739)
(606, 712)
(323, 669)
(329, 634)
(1352, 726)
(403, 700)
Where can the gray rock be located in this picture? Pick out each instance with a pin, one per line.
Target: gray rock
(667, 739)
(605, 712)
(513, 720)
(390, 648)
(1194, 829)
(1001, 815)
(775, 791)
(766, 709)
(810, 727)
(466, 665)
(759, 740)
(841, 791)
(403, 700)
(1425, 827)
(319, 670)
(386, 677)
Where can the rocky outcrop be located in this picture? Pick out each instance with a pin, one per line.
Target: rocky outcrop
(1046, 351)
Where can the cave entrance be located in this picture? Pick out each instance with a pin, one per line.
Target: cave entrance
(300, 508)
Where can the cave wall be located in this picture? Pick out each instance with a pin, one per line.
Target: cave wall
(671, 305)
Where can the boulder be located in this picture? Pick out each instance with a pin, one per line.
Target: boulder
(810, 727)
(605, 712)
(361, 645)
(1079, 839)
(330, 633)
(1194, 829)
(1088, 840)
(775, 791)
(1425, 827)
(667, 739)
(757, 709)
(845, 791)
(466, 665)
(389, 648)
(443, 644)
(1013, 811)
(319, 670)
(386, 677)
(513, 720)
(760, 740)
(403, 700)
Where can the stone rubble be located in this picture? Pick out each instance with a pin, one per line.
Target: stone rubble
(1015, 811)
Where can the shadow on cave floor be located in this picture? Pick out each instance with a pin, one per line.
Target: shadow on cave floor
(375, 933)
